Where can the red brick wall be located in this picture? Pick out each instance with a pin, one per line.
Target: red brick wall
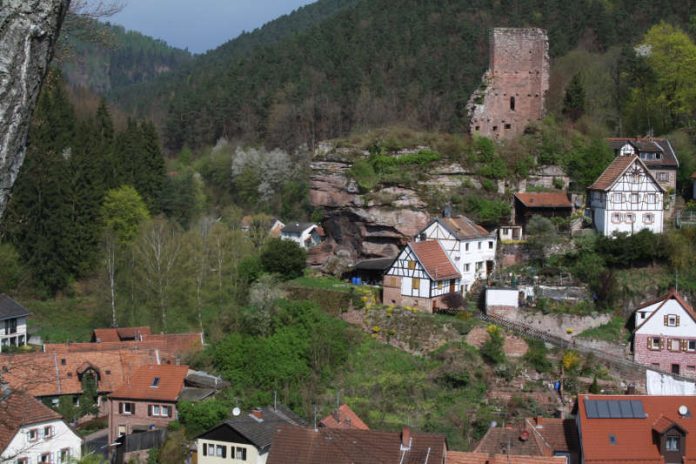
(664, 357)
(519, 69)
(139, 418)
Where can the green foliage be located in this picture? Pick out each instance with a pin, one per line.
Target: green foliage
(492, 349)
(624, 250)
(122, 212)
(11, 269)
(283, 257)
(202, 415)
(574, 101)
(541, 235)
(487, 212)
(489, 162)
(613, 331)
(364, 174)
(537, 356)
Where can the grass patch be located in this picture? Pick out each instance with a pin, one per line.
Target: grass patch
(322, 283)
(612, 331)
(64, 319)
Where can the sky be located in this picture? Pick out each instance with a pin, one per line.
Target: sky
(200, 25)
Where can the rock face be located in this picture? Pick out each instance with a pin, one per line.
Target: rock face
(28, 33)
(373, 225)
(513, 90)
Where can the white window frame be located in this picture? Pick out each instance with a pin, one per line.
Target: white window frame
(35, 433)
(672, 320)
(674, 440)
(616, 218)
(49, 431)
(691, 345)
(663, 177)
(655, 346)
(652, 198)
(127, 408)
(240, 453)
(617, 198)
(635, 198)
(648, 218)
(630, 218)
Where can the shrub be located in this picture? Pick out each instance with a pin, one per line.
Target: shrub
(364, 174)
(492, 349)
(536, 356)
(283, 257)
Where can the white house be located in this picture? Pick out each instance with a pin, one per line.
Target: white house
(13, 323)
(245, 438)
(422, 276)
(31, 432)
(626, 198)
(502, 300)
(665, 335)
(304, 234)
(468, 245)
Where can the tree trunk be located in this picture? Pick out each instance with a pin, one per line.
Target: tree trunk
(28, 34)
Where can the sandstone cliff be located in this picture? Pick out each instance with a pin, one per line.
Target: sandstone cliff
(28, 33)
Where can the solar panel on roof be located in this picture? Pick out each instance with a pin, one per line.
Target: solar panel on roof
(614, 409)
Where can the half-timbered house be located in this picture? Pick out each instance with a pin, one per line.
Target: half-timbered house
(657, 154)
(468, 245)
(422, 276)
(626, 198)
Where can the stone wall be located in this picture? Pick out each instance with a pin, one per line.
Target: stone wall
(514, 88)
(664, 358)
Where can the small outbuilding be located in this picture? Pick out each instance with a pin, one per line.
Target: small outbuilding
(546, 204)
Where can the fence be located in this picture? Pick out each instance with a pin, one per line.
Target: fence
(137, 442)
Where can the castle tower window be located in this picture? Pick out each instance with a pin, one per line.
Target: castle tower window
(512, 103)
(508, 126)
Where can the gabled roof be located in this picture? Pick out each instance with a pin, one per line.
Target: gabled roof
(9, 308)
(671, 295)
(158, 383)
(631, 439)
(343, 418)
(259, 431)
(663, 424)
(118, 334)
(434, 260)
(651, 145)
(461, 227)
(18, 409)
(460, 457)
(293, 445)
(544, 199)
(616, 169)
(52, 374)
(297, 227)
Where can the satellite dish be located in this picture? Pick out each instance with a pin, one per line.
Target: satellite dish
(236, 412)
(683, 410)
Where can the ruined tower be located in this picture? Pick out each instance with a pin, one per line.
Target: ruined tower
(513, 91)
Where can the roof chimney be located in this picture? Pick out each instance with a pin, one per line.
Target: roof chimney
(406, 439)
(257, 413)
(447, 211)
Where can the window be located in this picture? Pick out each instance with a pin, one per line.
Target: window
(634, 198)
(479, 266)
(630, 218)
(642, 315)
(490, 245)
(210, 449)
(691, 346)
(46, 457)
(651, 198)
(155, 382)
(127, 408)
(672, 444)
(479, 245)
(23, 461)
(617, 198)
(512, 103)
(616, 218)
(65, 455)
(48, 431)
(411, 265)
(662, 176)
(675, 344)
(415, 284)
(439, 285)
(33, 434)
(166, 411)
(467, 267)
(10, 326)
(466, 247)
(63, 362)
(155, 410)
(654, 343)
(672, 320)
(508, 126)
(241, 453)
(612, 439)
(648, 218)
(220, 451)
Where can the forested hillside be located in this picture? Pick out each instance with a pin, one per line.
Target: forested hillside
(106, 58)
(379, 62)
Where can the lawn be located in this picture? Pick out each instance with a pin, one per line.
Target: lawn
(321, 282)
(613, 331)
(64, 319)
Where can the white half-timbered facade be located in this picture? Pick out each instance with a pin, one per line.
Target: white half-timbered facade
(421, 276)
(470, 247)
(626, 198)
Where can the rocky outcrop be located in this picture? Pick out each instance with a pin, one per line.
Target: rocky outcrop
(28, 33)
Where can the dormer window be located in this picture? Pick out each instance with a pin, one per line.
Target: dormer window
(672, 444)
(155, 382)
(672, 320)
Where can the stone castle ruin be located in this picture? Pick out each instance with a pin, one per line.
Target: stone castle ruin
(513, 91)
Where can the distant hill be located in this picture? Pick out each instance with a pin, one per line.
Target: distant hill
(106, 58)
(369, 63)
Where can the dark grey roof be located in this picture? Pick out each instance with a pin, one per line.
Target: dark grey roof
(260, 431)
(196, 393)
(377, 264)
(668, 159)
(204, 380)
(9, 308)
(296, 227)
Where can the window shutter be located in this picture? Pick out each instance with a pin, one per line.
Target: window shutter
(662, 344)
(684, 345)
(224, 451)
(169, 411)
(677, 320)
(120, 408)
(149, 410)
(666, 318)
(205, 449)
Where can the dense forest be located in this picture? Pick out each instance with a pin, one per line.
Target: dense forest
(379, 62)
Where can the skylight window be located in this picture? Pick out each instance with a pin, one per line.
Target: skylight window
(155, 382)
(612, 439)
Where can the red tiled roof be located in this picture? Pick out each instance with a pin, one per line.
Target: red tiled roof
(544, 199)
(460, 457)
(671, 295)
(19, 409)
(143, 386)
(344, 418)
(616, 169)
(295, 445)
(463, 228)
(634, 437)
(663, 424)
(119, 334)
(434, 260)
(51, 374)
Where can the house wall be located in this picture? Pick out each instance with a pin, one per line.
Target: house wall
(628, 196)
(499, 297)
(19, 337)
(666, 177)
(63, 438)
(649, 327)
(306, 239)
(252, 457)
(139, 418)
